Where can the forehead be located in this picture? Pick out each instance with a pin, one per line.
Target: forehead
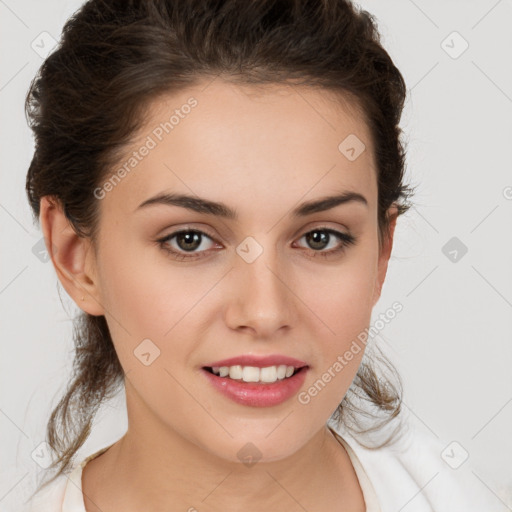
(219, 140)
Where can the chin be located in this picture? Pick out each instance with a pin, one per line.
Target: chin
(252, 448)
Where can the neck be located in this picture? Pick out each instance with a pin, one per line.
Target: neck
(158, 469)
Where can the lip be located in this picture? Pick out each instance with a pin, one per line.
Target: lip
(257, 394)
(259, 361)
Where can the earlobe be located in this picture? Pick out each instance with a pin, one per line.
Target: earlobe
(71, 255)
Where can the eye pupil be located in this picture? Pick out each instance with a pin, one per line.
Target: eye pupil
(318, 237)
(190, 238)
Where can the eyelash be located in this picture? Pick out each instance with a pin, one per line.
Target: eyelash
(346, 241)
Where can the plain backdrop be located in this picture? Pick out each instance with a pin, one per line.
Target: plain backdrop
(451, 266)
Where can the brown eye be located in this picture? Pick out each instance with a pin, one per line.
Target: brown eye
(188, 240)
(185, 241)
(320, 238)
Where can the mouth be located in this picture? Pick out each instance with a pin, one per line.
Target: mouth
(254, 386)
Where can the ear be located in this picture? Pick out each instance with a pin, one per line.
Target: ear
(385, 254)
(71, 255)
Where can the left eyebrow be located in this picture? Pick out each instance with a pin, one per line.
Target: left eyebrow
(201, 205)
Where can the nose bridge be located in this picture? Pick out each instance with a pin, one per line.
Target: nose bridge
(262, 295)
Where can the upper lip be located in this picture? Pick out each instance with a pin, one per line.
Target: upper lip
(259, 361)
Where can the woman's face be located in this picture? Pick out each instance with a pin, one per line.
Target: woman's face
(266, 281)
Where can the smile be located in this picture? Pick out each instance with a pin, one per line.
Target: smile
(256, 387)
(255, 374)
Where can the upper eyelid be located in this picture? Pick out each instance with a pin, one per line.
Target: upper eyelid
(187, 230)
(202, 231)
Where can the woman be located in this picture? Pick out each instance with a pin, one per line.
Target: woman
(218, 185)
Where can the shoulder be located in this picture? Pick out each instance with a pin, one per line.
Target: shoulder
(64, 493)
(50, 498)
(420, 471)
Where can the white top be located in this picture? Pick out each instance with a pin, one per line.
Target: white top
(410, 475)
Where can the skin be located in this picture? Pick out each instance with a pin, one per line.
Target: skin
(261, 151)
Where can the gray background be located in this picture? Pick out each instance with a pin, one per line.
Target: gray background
(452, 341)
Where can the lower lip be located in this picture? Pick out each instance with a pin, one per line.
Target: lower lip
(258, 394)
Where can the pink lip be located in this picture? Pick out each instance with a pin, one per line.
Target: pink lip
(259, 361)
(257, 394)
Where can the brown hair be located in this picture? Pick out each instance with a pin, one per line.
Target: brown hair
(115, 56)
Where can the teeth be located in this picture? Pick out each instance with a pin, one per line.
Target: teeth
(249, 374)
(268, 374)
(281, 371)
(235, 372)
(254, 374)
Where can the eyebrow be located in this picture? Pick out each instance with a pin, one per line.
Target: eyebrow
(201, 205)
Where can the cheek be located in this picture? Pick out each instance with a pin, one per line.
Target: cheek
(341, 296)
(131, 293)
(146, 297)
(341, 300)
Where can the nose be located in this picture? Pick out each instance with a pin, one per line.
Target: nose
(261, 298)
